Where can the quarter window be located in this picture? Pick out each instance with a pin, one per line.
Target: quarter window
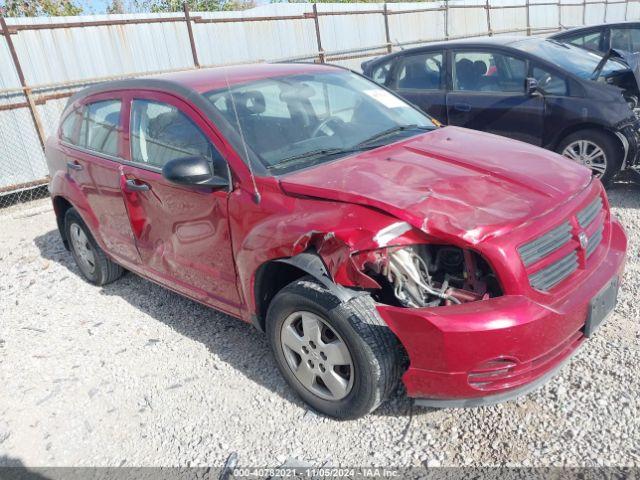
(488, 72)
(160, 132)
(99, 128)
(380, 74)
(422, 72)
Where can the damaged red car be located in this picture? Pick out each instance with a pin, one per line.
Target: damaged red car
(371, 245)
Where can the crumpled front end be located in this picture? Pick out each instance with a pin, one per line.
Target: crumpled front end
(492, 348)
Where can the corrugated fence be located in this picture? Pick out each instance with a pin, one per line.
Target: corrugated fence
(44, 60)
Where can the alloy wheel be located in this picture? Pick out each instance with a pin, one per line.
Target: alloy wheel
(588, 154)
(82, 248)
(317, 355)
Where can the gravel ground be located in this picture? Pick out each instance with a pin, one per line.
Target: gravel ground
(132, 374)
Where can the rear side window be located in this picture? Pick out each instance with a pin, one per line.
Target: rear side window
(590, 41)
(99, 128)
(627, 39)
(68, 127)
(380, 73)
(160, 132)
(422, 71)
(488, 72)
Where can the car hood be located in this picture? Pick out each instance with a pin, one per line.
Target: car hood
(451, 182)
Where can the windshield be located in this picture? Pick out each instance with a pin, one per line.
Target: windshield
(296, 121)
(576, 60)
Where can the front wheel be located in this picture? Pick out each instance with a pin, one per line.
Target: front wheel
(596, 150)
(339, 357)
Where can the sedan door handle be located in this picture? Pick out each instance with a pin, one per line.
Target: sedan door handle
(136, 186)
(74, 166)
(462, 107)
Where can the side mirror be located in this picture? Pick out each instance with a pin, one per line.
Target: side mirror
(193, 171)
(531, 86)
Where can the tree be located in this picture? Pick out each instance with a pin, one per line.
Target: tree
(116, 6)
(157, 6)
(38, 8)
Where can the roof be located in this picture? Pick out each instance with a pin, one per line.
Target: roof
(629, 23)
(205, 79)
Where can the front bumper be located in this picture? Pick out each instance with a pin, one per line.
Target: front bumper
(489, 351)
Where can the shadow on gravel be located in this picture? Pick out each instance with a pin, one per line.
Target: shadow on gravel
(624, 193)
(13, 469)
(229, 339)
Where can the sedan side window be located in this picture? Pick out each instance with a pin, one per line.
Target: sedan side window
(99, 128)
(160, 132)
(380, 73)
(549, 82)
(488, 72)
(627, 39)
(68, 127)
(590, 41)
(423, 72)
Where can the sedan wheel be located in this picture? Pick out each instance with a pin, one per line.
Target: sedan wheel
(83, 250)
(588, 154)
(317, 356)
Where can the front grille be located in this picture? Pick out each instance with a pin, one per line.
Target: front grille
(542, 246)
(538, 249)
(589, 213)
(550, 276)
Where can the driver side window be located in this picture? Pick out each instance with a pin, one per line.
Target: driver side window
(550, 82)
(160, 132)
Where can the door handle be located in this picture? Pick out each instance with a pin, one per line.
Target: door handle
(74, 166)
(133, 185)
(462, 107)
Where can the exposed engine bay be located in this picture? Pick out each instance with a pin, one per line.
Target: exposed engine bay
(430, 276)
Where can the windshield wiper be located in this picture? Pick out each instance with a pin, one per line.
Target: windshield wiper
(391, 131)
(313, 154)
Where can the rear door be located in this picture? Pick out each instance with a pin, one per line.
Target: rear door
(488, 94)
(420, 78)
(94, 152)
(182, 232)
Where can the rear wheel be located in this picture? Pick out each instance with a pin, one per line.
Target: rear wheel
(596, 150)
(93, 263)
(339, 357)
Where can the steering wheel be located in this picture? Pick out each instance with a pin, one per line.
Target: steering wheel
(327, 123)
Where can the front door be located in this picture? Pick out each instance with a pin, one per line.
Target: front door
(182, 232)
(488, 94)
(420, 79)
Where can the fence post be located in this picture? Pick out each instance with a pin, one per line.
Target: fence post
(25, 88)
(446, 19)
(528, 19)
(316, 20)
(559, 15)
(626, 9)
(584, 12)
(606, 4)
(192, 41)
(487, 7)
(385, 12)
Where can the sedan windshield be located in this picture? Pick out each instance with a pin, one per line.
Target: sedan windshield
(296, 121)
(576, 60)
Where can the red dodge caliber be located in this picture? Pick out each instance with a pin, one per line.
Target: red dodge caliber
(369, 244)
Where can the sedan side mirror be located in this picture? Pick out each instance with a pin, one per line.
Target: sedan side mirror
(531, 86)
(193, 171)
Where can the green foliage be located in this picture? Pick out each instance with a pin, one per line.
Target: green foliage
(38, 8)
(157, 6)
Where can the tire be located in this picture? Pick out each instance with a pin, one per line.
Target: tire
(604, 166)
(374, 351)
(92, 262)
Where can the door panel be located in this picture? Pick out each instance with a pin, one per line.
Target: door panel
(182, 233)
(97, 173)
(488, 94)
